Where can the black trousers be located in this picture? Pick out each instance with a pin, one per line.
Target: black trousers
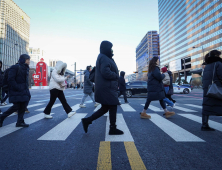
(20, 107)
(124, 95)
(162, 103)
(104, 109)
(54, 93)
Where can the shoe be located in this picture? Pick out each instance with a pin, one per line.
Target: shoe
(126, 102)
(174, 101)
(96, 104)
(48, 116)
(16, 113)
(5, 103)
(22, 125)
(27, 111)
(207, 128)
(173, 106)
(71, 114)
(86, 122)
(205, 125)
(144, 116)
(169, 114)
(82, 106)
(114, 131)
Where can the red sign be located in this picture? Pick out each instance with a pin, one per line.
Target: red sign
(41, 76)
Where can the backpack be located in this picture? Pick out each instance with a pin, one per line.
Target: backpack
(92, 75)
(5, 79)
(166, 80)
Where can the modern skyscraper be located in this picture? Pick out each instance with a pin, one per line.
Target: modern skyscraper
(145, 51)
(189, 29)
(14, 32)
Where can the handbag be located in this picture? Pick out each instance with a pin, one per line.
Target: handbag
(213, 90)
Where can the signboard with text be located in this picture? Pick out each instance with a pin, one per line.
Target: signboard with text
(175, 65)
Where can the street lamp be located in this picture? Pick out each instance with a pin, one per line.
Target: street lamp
(202, 51)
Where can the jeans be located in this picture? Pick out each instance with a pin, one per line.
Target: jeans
(54, 93)
(91, 95)
(162, 103)
(166, 100)
(167, 89)
(124, 95)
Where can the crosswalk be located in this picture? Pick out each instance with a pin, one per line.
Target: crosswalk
(66, 127)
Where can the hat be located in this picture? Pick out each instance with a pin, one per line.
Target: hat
(164, 69)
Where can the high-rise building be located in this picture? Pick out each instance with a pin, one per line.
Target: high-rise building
(14, 32)
(145, 51)
(35, 55)
(52, 63)
(189, 29)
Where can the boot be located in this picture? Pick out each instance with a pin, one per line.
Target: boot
(23, 124)
(86, 122)
(205, 125)
(169, 114)
(114, 131)
(144, 116)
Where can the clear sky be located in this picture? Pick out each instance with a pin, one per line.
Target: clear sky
(72, 30)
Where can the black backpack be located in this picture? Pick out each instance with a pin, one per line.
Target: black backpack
(92, 75)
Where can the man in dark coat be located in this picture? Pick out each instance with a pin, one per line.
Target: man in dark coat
(211, 106)
(122, 86)
(19, 93)
(106, 88)
(88, 88)
(170, 92)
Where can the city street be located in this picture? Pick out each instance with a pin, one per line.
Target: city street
(158, 143)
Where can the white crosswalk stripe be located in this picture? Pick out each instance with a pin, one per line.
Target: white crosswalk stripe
(183, 109)
(54, 106)
(98, 107)
(153, 108)
(63, 129)
(8, 105)
(192, 105)
(127, 108)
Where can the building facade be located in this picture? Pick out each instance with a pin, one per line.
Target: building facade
(35, 55)
(14, 33)
(130, 78)
(145, 51)
(189, 29)
(52, 63)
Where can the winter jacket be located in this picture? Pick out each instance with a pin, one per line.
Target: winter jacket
(171, 82)
(106, 77)
(1, 75)
(88, 85)
(212, 106)
(18, 83)
(166, 80)
(155, 86)
(57, 79)
(122, 82)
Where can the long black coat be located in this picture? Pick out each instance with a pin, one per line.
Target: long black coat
(1, 75)
(122, 82)
(171, 83)
(18, 83)
(88, 85)
(155, 88)
(212, 106)
(106, 77)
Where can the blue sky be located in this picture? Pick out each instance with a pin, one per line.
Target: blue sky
(72, 30)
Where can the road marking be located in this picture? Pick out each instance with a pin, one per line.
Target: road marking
(183, 109)
(121, 124)
(198, 119)
(97, 108)
(63, 129)
(174, 131)
(192, 105)
(134, 156)
(104, 158)
(153, 108)
(42, 100)
(127, 108)
(54, 106)
(75, 107)
(8, 105)
(5, 130)
(90, 101)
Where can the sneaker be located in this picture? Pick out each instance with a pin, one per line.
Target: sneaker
(169, 114)
(96, 104)
(27, 111)
(22, 125)
(114, 131)
(144, 116)
(48, 116)
(207, 128)
(71, 114)
(5, 103)
(82, 106)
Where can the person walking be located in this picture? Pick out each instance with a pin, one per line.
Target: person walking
(155, 89)
(3, 92)
(19, 93)
(122, 86)
(170, 92)
(106, 88)
(211, 106)
(56, 87)
(88, 88)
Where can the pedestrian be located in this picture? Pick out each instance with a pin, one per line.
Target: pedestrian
(57, 86)
(106, 88)
(122, 86)
(19, 93)
(170, 92)
(155, 89)
(211, 106)
(3, 92)
(88, 88)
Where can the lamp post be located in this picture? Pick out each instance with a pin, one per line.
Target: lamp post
(202, 51)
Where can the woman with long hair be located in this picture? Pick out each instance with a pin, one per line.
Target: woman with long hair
(155, 89)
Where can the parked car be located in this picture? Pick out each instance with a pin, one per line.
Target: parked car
(181, 89)
(188, 85)
(136, 87)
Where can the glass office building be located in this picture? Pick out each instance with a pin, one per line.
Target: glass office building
(145, 51)
(189, 29)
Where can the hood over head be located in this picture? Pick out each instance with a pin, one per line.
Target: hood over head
(23, 58)
(105, 48)
(60, 66)
(164, 69)
(122, 73)
(213, 56)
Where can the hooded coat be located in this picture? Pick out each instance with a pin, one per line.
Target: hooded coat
(212, 106)
(155, 86)
(122, 82)
(1, 75)
(18, 76)
(106, 76)
(58, 76)
(88, 85)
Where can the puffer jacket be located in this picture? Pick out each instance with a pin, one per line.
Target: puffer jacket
(56, 78)
(166, 80)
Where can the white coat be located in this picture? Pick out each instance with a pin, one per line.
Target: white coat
(56, 78)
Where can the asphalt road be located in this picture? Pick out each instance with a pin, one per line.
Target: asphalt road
(158, 143)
